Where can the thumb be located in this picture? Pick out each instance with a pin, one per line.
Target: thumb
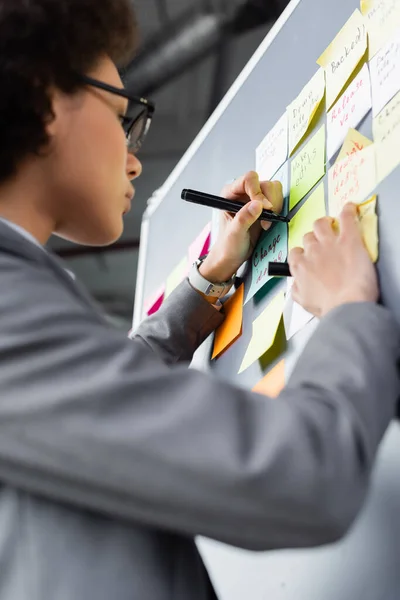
(248, 215)
(349, 223)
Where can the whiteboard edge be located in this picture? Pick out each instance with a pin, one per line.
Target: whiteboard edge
(223, 105)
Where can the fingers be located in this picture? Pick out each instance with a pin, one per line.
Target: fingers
(349, 224)
(323, 229)
(296, 256)
(248, 215)
(252, 188)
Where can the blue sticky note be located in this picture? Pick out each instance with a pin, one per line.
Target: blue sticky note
(272, 247)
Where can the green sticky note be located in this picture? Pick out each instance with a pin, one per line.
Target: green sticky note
(272, 247)
(303, 221)
(176, 276)
(264, 331)
(307, 168)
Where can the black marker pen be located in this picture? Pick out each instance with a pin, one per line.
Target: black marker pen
(278, 269)
(228, 205)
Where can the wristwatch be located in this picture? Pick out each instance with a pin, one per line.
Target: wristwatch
(211, 291)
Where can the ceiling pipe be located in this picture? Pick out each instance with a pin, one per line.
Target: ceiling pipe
(189, 39)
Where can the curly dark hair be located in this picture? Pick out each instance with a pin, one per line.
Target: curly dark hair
(43, 44)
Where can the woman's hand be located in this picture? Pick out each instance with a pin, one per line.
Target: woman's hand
(334, 268)
(239, 234)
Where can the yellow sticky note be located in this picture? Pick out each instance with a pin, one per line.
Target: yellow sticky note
(307, 167)
(352, 179)
(176, 276)
(382, 18)
(264, 331)
(343, 55)
(302, 110)
(354, 142)
(231, 328)
(273, 383)
(387, 121)
(369, 227)
(303, 221)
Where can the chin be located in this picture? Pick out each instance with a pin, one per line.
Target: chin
(94, 236)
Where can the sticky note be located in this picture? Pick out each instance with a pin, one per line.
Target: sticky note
(387, 154)
(272, 247)
(352, 179)
(354, 142)
(283, 176)
(387, 121)
(385, 74)
(343, 55)
(303, 221)
(295, 317)
(302, 110)
(307, 167)
(176, 276)
(273, 383)
(201, 244)
(369, 227)
(154, 302)
(264, 331)
(382, 18)
(348, 111)
(273, 150)
(231, 328)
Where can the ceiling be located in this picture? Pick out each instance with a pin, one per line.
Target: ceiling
(182, 107)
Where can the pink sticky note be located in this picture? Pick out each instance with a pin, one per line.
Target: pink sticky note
(154, 302)
(201, 244)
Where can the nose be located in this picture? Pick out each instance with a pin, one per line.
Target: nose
(133, 167)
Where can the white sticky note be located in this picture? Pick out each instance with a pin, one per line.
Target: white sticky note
(348, 111)
(295, 317)
(385, 74)
(302, 110)
(343, 55)
(388, 120)
(382, 19)
(273, 150)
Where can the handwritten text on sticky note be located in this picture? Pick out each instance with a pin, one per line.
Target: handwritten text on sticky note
(385, 75)
(307, 167)
(348, 111)
(272, 247)
(273, 150)
(351, 180)
(343, 55)
(302, 110)
(382, 19)
(388, 120)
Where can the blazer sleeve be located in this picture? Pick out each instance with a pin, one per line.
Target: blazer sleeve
(92, 419)
(181, 325)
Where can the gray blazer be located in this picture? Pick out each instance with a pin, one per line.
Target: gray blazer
(114, 455)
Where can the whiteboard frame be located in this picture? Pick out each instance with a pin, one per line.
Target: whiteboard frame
(155, 201)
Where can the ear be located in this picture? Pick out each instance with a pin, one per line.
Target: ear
(63, 107)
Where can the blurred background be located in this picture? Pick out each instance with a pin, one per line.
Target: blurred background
(190, 53)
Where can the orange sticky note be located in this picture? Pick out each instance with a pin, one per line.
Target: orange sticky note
(231, 328)
(273, 383)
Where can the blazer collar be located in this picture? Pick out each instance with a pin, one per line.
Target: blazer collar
(12, 242)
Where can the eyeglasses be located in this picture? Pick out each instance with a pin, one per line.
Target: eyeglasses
(137, 120)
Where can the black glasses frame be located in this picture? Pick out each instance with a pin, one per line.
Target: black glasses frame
(128, 124)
